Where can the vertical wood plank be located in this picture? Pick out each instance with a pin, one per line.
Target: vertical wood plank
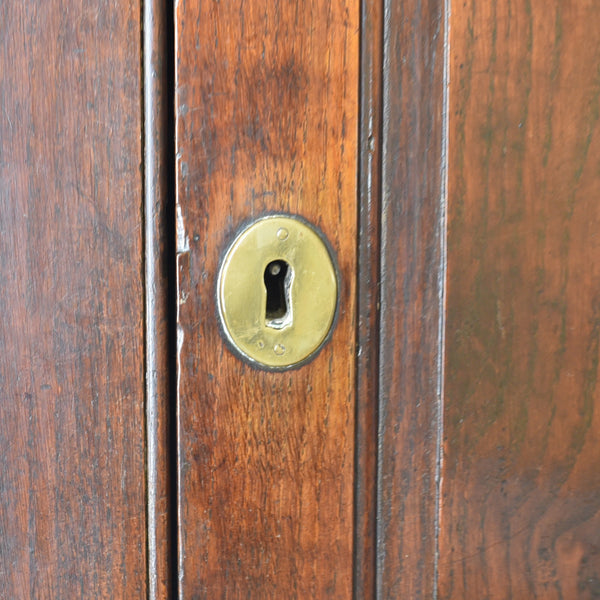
(267, 119)
(72, 489)
(159, 263)
(367, 361)
(521, 508)
(412, 234)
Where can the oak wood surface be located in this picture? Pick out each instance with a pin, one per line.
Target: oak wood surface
(520, 513)
(72, 483)
(267, 119)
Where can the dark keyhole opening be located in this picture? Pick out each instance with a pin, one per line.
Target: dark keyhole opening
(276, 282)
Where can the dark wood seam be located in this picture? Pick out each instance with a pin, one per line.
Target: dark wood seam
(159, 247)
(368, 279)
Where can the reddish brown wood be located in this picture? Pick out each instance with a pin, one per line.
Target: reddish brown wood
(267, 119)
(72, 484)
(521, 501)
(411, 292)
(159, 262)
(367, 363)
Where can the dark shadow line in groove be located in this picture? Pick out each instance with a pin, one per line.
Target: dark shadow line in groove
(368, 282)
(158, 139)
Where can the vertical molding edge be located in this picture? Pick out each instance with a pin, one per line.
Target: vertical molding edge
(158, 142)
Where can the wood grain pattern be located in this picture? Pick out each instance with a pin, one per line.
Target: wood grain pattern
(160, 286)
(367, 358)
(411, 292)
(72, 484)
(267, 119)
(521, 508)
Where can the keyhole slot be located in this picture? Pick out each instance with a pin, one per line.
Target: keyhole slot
(278, 283)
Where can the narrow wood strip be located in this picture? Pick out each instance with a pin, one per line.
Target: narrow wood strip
(159, 232)
(411, 295)
(369, 178)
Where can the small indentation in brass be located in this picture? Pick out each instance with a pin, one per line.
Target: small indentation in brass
(282, 234)
(279, 349)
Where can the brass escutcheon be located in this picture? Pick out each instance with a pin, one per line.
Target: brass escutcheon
(277, 292)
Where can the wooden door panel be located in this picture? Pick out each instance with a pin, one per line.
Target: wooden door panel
(520, 509)
(476, 358)
(72, 483)
(444, 442)
(267, 120)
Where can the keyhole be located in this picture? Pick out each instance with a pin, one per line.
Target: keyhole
(278, 281)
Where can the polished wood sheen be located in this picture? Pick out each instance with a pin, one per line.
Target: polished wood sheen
(160, 284)
(520, 511)
(445, 443)
(267, 120)
(412, 238)
(368, 299)
(72, 453)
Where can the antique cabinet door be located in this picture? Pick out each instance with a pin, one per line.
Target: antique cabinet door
(445, 440)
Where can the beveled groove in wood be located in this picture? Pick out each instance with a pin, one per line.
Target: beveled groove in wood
(159, 262)
(411, 291)
(267, 120)
(369, 178)
(521, 508)
(72, 452)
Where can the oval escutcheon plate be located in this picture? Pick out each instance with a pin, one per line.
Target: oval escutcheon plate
(277, 292)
